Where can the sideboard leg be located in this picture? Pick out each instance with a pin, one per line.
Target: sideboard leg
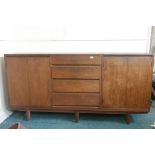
(28, 115)
(128, 118)
(77, 116)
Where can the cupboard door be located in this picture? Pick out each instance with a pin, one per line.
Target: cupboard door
(139, 78)
(18, 85)
(39, 74)
(114, 81)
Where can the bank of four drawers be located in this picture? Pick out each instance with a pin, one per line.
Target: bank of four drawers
(76, 79)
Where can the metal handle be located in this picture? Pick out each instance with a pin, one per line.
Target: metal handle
(91, 57)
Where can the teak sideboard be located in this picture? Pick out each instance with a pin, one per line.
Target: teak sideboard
(80, 83)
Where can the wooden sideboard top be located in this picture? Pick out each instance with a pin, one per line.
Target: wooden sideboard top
(20, 55)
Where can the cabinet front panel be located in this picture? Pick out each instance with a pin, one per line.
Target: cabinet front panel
(121, 84)
(39, 77)
(139, 79)
(18, 84)
(75, 85)
(76, 59)
(76, 72)
(114, 81)
(75, 99)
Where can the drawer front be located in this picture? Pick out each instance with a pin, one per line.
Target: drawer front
(76, 72)
(75, 85)
(75, 99)
(76, 59)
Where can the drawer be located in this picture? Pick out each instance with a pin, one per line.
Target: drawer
(76, 99)
(76, 72)
(76, 59)
(75, 85)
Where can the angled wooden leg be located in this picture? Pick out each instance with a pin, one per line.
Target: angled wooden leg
(77, 116)
(128, 118)
(28, 115)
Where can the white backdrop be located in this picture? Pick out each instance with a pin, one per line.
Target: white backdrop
(75, 39)
(37, 26)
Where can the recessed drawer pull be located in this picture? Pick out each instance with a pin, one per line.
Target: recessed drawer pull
(91, 57)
